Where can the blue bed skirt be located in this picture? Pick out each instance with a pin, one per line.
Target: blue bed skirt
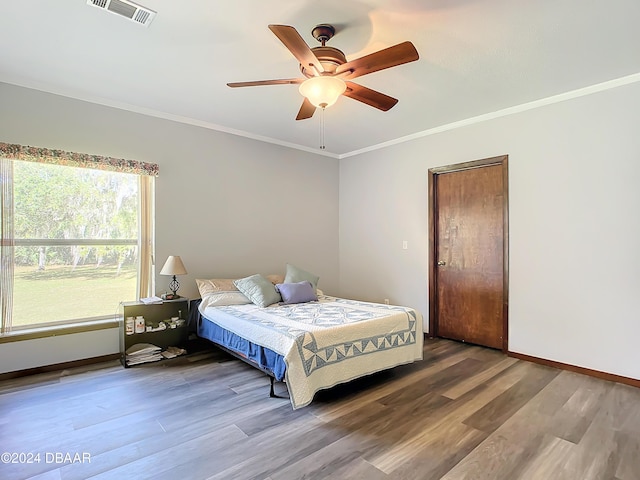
(264, 358)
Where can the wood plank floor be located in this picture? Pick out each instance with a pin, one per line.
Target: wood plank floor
(464, 412)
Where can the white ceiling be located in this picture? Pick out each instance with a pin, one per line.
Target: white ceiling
(476, 57)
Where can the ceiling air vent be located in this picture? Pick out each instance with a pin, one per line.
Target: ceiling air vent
(132, 11)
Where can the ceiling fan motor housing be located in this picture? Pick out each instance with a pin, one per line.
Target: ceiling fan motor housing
(329, 57)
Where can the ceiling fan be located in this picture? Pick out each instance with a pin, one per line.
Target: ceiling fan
(328, 74)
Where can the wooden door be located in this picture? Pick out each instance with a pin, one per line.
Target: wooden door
(469, 253)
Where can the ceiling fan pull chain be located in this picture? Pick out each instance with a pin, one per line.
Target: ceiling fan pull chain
(322, 129)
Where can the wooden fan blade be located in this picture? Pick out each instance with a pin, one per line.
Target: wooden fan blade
(389, 57)
(306, 110)
(291, 39)
(370, 97)
(284, 81)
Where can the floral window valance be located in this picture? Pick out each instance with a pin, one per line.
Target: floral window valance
(72, 159)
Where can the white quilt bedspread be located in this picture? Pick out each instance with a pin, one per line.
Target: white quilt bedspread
(327, 342)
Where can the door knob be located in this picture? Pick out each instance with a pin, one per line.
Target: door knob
(441, 263)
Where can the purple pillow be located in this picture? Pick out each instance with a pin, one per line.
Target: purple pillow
(299, 292)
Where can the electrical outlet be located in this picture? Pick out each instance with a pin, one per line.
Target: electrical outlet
(405, 245)
(386, 301)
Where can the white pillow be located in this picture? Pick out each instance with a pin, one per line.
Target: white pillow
(219, 292)
(223, 298)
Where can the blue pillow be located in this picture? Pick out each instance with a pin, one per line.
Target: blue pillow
(299, 292)
(258, 289)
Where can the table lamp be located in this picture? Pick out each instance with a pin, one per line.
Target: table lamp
(173, 266)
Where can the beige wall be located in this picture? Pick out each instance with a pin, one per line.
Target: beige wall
(574, 227)
(229, 206)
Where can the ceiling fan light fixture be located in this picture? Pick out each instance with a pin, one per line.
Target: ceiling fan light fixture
(322, 91)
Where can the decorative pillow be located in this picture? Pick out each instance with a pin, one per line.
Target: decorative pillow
(295, 275)
(258, 289)
(300, 292)
(219, 292)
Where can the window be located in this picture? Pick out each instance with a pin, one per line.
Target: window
(76, 236)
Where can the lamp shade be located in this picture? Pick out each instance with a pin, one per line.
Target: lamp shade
(173, 266)
(322, 91)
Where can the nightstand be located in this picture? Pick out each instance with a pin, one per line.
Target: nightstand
(153, 314)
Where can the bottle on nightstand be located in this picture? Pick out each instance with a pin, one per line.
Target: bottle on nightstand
(130, 326)
(140, 326)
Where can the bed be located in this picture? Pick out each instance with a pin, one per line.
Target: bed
(315, 344)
